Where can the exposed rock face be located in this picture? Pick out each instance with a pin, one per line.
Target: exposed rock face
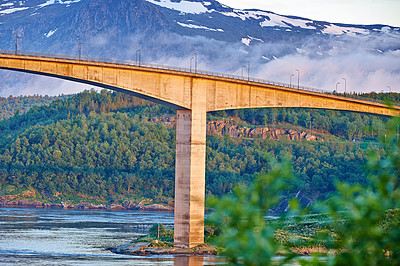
(222, 128)
(225, 127)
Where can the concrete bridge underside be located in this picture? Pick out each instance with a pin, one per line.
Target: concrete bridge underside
(192, 95)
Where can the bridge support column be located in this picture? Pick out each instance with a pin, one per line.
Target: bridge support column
(190, 176)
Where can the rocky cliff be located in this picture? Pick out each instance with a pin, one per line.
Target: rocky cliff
(235, 130)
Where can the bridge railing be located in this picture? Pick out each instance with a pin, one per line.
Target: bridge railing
(191, 71)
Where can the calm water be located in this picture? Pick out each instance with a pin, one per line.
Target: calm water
(73, 237)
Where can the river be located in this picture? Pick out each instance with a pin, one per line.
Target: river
(74, 237)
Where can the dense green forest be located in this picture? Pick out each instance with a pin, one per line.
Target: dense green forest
(104, 147)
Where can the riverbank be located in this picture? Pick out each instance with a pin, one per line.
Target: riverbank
(148, 248)
(11, 202)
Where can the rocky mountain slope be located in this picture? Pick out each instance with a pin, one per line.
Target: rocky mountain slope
(224, 38)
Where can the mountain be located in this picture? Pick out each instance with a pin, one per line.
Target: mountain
(224, 38)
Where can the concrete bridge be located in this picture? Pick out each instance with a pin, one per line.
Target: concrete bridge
(192, 95)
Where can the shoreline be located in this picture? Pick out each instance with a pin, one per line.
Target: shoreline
(145, 249)
(85, 206)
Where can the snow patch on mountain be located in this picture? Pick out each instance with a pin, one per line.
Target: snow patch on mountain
(337, 30)
(52, 2)
(12, 10)
(276, 20)
(246, 14)
(50, 33)
(192, 26)
(182, 6)
(7, 4)
(247, 40)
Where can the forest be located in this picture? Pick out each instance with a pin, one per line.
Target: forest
(104, 147)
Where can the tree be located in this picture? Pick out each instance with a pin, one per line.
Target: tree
(246, 237)
(362, 238)
(366, 220)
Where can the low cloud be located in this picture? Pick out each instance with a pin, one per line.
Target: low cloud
(368, 62)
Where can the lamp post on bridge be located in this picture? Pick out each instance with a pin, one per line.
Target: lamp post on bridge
(298, 79)
(16, 41)
(191, 63)
(79, 48)
(345, 86)
(337, 85)
(390, 89)
(248, 70)
(291, 80)
(138, 54)
(243, 67)
(195, 62)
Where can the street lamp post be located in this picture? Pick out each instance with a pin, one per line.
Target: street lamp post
(195, 62)
(390, 89)
(248, 70)
(16, 41)
(291, 80)
(345, 85)
(298, 79)
(138, 54)
(191, 63)
(243, 67)
(337, 85)
(79, 48)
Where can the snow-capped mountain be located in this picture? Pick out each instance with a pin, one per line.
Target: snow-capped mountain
(168, 31)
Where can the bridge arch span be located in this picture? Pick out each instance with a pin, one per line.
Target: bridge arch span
(193, 95)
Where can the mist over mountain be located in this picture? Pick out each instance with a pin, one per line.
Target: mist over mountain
(169, 31)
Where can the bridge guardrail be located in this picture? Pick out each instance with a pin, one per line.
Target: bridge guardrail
(187, 70)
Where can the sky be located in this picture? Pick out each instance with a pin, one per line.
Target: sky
(338, 11)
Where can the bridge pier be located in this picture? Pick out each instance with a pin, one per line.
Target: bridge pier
(190, 175)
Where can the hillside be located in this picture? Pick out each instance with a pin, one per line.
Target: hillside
(110, 148)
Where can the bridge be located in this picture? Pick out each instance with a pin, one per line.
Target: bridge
(192, 95)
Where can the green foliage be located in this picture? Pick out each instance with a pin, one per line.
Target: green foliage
(362, 225)
(304, 231)
(158, 231)
(246, 237)
(370, 234)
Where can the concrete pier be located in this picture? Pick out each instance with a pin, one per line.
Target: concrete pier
(190, 172)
